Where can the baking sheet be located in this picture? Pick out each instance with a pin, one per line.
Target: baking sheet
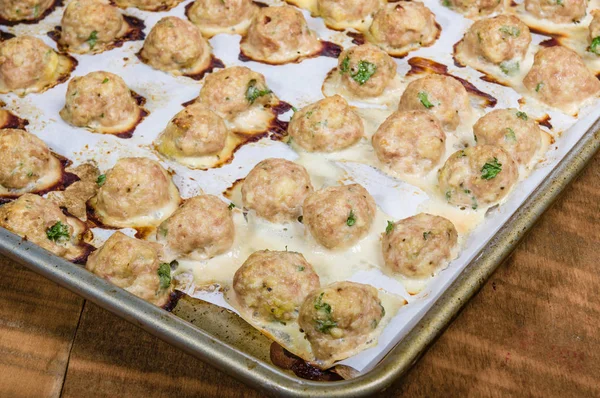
(298, 84)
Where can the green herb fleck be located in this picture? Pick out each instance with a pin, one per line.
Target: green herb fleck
(461, 154)
(324, 326)
(539, 87)
(301, 268)
(105, 80)
(509, 68)
(389, 228)
(491, 169)
(253, 93)
(560, 3)
(309, 114)
(164, 275)
(294, 109)
(364, 72)
(425, 100)
(101, 180)
(231, 206)
(510, 30)
(448, 195)
(595, 46)
(522, 115)
(510, 135)
(345, 65)
(426, 235)
(446, 3)
(93, 39)
(36, 11)
(30, 174)
(163, 230)
(475, 137)
(321, 306)
(351, 220)
(382, 310)
(58, 231)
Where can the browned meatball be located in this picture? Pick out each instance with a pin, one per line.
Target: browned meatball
(443, 96)
(274, 284)
(405, 23)
(340, 216)
(327, 125)
(90, 24)
(102, 102)
(343, 12)
(498, 39)
(148, 5)
(366, 70)
(419, 246)
(23, 10)
(339, 318)
(552, 83)
(133, 265)
(512, 130)
(559, 11)
(410, 142)
(176, 46)
(479, 176)
(201, 228)
(222, 16)
(275, 189)
(474, 8)
(137, 192)
(279, 35)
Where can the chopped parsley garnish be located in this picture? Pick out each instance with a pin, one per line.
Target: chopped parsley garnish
(510, 30)
(424, 100)
(231, 206)
(345, 65)
(510, 135)
(93, 39)
(253, 93)
(58, 231)
(164, 275)
(323, 325)
(448, 195)
(163, 230)
(101, 180)
(426, 234)
(294, 109)
(301, 268)
(364, 72)
(105, 80)
(539, 87)
(509, 67)
(475, 137)
(389, 228)
(446, 3)
(522, 115)
(321, 306)
(560, 3)
(351, 220)
(491, 169)
(595, 46)
(36, 11)
(461, 154)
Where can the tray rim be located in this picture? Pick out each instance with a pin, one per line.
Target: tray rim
(269, 378)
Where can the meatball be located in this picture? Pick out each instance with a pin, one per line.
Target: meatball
(276, 189)
(274, 284)
(443, 96)
(498, 39)
(88, 24)
(42, 222)
(233, 90)
(133, 265)
(512, 130)
(366, 70)
(594, 29)
(419, 246)
(136, 192)
(25, 61)
(326, 126)
(195, 131)
(339, 318)
(479, 176)
(559, 11)
(202, 227)
(148, 5)
(100, 101)
(557, 86)
(24, 10)
(410, 142)
(340, 216)
(221, 13)
(177, 46)
(403, 24)
(474, 8)
(279, 35)
(335, 12)
(25, 159)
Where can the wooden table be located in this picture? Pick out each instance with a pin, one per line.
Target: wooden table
(533, 330)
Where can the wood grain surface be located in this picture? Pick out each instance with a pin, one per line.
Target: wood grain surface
(531, 331)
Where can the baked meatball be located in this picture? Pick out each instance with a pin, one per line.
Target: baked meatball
(366, 70)
(201, 228)
(340, 216)
(419, 246)
(551, 82)
(233, 90)
(134, 265)
(443, 96)
(137, 192)
(410, 142)
(273, 284)
(474, 8)
(559, 11)
(25, 160)
(175, 45)
(42, 222)
(279, 35)
(479, 176)
(148, 5)
(402, 24)
(102, 102)
(26, 62)
(339, 318)
(90, 24)
(345, 12)
(498, 39)
(24, 10)
(276, 189)
(193, 132)
(327, 125)
(222, 16)
(594, 29)
(512, 130)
